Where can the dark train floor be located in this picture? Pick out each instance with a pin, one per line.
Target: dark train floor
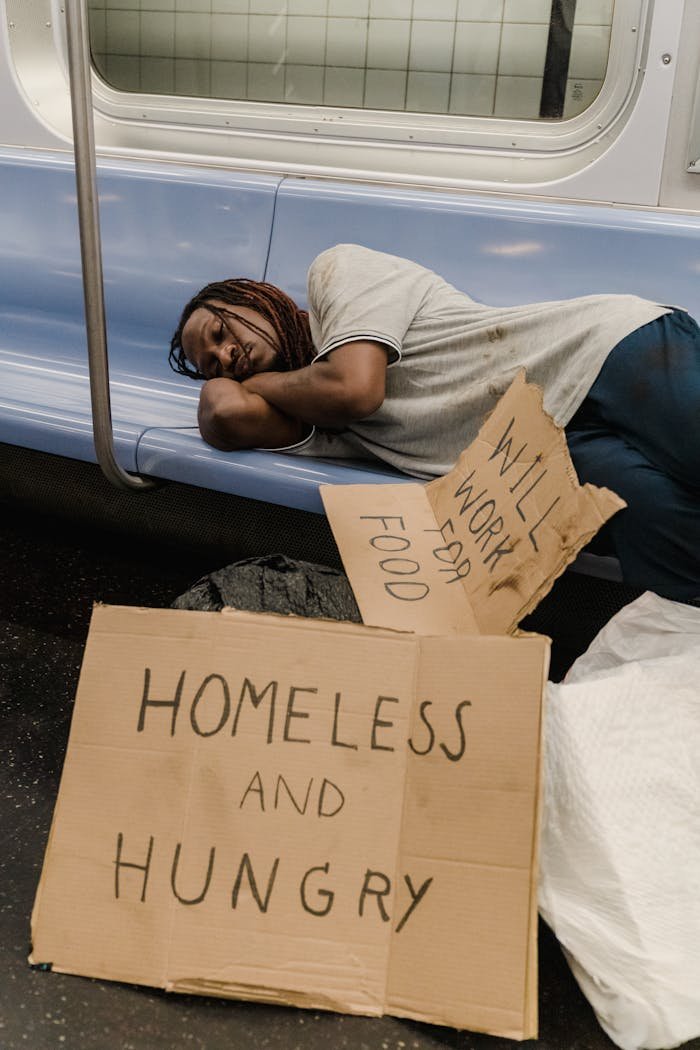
(50, 574)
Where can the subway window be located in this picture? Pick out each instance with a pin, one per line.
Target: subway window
(515, 59)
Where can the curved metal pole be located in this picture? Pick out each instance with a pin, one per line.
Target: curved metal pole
(90, 248)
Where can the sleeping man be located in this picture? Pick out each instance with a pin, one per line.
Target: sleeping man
(392, 363)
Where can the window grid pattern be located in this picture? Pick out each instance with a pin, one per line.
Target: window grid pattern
(468, 57)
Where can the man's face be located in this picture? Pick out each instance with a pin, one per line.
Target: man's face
(223, 345)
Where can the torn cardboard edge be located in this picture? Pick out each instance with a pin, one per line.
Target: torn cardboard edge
(475, 550)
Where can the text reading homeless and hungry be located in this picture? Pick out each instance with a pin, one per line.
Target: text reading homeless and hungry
(273, 711)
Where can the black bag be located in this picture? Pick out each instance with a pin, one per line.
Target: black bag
(275, 584)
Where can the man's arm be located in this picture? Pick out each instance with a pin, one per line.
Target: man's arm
(275, 409)
(346, 385)
(231, 417)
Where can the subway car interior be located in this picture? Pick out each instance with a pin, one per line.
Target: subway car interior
(525, 150)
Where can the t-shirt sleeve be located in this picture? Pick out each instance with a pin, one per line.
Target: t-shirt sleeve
(326, 445)
(356, 293)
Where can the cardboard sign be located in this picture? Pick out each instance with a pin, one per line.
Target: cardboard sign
(302, 812)
(476, 550)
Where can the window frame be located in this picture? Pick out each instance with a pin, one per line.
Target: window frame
(447, 151)
(693, 158)
(424, 130)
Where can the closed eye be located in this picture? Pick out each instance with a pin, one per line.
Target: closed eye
(210, 367)
(207, 367)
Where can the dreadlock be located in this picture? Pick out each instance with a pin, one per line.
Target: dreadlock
(290, 324)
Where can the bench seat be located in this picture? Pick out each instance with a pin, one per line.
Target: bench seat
(167, 230)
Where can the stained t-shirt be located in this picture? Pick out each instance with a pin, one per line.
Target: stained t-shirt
(450, 357)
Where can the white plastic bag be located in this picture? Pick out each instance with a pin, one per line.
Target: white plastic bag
(620, 860)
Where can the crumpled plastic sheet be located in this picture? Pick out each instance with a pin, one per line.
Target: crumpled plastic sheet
(620, 857)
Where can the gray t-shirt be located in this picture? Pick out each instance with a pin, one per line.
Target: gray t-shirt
(451, 358)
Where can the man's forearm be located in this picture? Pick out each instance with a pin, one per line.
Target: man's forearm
(231, 417)
(305, 393)
(332, 392)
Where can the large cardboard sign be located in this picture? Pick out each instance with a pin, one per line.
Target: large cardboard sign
(320, 814)
(476, 550)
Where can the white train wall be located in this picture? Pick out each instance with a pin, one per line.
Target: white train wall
(634, 145)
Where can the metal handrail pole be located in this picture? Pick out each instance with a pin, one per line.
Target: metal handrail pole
(91, 249)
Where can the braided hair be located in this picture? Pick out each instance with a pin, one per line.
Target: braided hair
(294, 345)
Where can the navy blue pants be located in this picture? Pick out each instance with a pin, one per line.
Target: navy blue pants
(638, 433)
